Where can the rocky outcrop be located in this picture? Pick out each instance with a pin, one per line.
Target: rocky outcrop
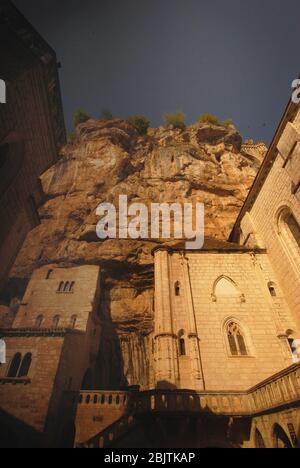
(204, 163)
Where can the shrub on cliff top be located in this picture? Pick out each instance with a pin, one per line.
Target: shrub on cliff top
(208, 119)
(175, 120)
(80, 116)
(227, 122)
(140, 122)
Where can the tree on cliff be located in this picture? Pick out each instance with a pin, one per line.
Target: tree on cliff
(209, 119)
(80, 116)
(140, 122)
(175, 120)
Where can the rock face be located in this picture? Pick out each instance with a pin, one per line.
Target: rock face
(204, 163)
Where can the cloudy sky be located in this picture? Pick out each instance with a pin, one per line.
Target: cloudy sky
(232, 58)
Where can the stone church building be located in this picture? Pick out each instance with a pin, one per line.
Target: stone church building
(225, 348)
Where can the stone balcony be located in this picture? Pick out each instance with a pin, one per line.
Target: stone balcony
(274, 394)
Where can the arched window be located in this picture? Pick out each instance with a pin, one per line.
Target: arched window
(272, 289)
(67, 287)
(236, 340)
(259, 441)
(39, 321)
(73, 322)
(177, 289)
(71, 289)
(61, 286)
(289, 231)
(14, 366)
(182, 349)
(49, 273)
(25, 366)
(181, 343)
(56, 320)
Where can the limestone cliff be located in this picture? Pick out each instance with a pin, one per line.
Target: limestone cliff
(204, 163)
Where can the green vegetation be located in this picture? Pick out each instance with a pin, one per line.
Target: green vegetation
(72, 137)
(208, 119)
(140, 122)
(80, 116)
(175, 120)
(227, 122)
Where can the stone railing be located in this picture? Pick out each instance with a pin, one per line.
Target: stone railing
(280, 391)
(277, 391)
(112, 433)
(105, 399)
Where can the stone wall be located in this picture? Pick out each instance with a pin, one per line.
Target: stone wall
(248, 302)
(279, 194)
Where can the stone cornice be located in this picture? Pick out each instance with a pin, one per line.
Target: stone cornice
(35, 332)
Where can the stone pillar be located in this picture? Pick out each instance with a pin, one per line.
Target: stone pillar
(166, 365)
(193, 338)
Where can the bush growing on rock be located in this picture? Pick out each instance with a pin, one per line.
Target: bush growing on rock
(72, 137)
(175, 120)
(80, 116)
(208, 119)
(228, 123)
(140, 122)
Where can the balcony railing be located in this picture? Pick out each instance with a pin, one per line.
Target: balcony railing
(280, 391)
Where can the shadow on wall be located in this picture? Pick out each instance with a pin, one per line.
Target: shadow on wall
(16, 434)
(110, 363)
(123, 358)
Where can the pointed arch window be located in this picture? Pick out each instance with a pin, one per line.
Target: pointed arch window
(25, 366)
(14, 366)
(236, 340)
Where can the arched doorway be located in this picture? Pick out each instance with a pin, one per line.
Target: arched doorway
(259, 441)
(281, 440)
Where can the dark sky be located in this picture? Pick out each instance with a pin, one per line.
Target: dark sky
(232, 58)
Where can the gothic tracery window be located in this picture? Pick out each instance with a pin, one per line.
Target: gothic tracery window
(236, 340)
